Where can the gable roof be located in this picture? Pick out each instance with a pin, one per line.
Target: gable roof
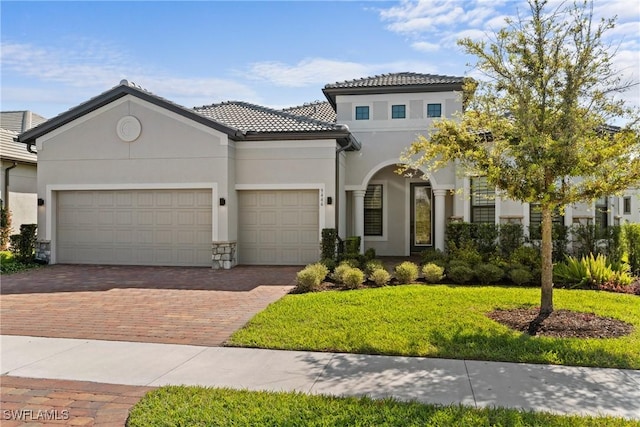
(239, 120)
(393, 83)
(321, 110)
(117, 92)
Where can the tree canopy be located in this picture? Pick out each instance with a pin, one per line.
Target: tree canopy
(536, 122)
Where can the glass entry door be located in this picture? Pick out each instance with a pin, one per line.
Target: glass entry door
(421, 217)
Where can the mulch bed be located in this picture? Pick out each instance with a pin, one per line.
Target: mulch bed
(563, 323)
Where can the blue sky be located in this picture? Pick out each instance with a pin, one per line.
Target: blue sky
(56, 55)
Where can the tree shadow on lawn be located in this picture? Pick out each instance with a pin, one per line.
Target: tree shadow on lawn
(83, 278)
(555, 388)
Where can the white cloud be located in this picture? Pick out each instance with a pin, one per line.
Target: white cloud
(309, 71)
(425, 46)
(87, 68)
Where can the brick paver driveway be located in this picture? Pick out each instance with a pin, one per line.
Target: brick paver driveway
(197, 306)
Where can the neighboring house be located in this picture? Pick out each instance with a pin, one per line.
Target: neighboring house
(18, 186)
(131, 178)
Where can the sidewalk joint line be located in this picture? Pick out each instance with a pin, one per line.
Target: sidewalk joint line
(324, 368)
(84, 342)
(473, 393)
(177, 366)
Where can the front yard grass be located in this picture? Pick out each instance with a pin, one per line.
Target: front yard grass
(441, 321)
(198, 406)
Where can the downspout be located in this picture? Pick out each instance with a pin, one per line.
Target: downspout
(29, 149)
(351, 144)
(6, 184)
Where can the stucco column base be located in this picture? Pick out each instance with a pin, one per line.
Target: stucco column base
(223, 255)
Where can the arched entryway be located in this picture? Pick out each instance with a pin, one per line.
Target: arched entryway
(398, 215)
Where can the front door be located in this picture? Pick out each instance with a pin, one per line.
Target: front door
(421, 217)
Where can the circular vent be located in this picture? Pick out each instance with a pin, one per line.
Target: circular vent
(128, 128)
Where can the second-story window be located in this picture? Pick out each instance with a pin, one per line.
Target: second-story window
(362, 112)
(398, 111)
(434, 110)
(626, 205)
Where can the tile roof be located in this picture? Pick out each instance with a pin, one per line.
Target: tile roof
(11, 150)
(321, 110)
(254, 118)
(19, 121)
(396, 79)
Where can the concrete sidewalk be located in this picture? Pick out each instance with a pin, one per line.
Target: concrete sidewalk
(559, 389)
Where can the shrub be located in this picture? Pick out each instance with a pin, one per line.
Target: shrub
(380, 277)
(310, 277)
(373, 265)
(342, 268)
(486, 238)
(434, 256)
(460, 273)
(591, 272)
(458, 234)
(329, 263)
(520, 276)
(328, 244)
(488, 273)
(527, 256)
(511, 237)
(571, 271)
(432, 273)
(467, 253)
(369, 254)
(352, 246)
(5, 228)
(23, 245)
(406, 272)
(353, 278)
(631, 233)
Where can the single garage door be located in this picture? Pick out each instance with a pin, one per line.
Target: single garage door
(278, 227)
(135, 227)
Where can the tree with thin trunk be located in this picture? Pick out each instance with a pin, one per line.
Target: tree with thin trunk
(536, 123)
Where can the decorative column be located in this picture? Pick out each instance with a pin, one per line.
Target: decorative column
(358, 204)
(466, 199)
(439, 220)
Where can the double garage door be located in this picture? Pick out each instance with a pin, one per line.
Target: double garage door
(174, 227)
(135, 227)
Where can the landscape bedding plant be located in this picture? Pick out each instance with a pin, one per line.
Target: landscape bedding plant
(445, 321)
(199, 406)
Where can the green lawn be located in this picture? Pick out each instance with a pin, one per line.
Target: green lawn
(440, 321)
(198, 406)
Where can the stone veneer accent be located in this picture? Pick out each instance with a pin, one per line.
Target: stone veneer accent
(223, 255)
(43, 250)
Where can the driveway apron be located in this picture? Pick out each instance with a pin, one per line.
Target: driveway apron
(172, 305)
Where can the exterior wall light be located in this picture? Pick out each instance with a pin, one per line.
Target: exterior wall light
(329, 200)
(40, 202)
(223, 201)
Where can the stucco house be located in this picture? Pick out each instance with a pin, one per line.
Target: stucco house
(18, 186)
(131, 178)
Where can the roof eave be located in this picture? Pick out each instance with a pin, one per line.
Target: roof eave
(342, 137)
(332, 92)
